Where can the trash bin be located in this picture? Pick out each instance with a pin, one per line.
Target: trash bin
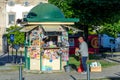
(67, 68)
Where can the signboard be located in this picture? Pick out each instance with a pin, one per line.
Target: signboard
(71, 42)
(12, 37)
(93, 43)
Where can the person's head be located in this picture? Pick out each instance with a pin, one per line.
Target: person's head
(81, 39)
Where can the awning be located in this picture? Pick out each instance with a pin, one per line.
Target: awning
(27, 28)
(74, 29)
(14, 30)
(52, 28)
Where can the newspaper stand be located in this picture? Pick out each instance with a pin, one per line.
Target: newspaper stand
(46, 38)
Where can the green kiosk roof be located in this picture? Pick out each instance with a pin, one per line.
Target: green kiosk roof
(45, 12)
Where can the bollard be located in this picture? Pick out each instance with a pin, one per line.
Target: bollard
(8, 56)
(13, 59)
(88, 72)
(12, 54)
(111, 52)
(20, 71)
(16, 57)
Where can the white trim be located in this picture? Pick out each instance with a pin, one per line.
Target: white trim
(52, 28)
(35, 23)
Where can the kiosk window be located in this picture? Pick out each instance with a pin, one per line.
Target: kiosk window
(53, 33)
(53, 38)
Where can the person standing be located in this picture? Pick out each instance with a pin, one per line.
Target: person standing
(83, 50)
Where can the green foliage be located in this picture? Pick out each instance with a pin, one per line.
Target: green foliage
(64, 6)
(72, 60)
(96, 12)
(92, 12)
(111, 29)
(91, 31)
(18, 36)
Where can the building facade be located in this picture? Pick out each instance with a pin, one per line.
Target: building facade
(12, 10)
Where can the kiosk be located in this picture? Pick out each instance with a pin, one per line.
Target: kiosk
(46, 38)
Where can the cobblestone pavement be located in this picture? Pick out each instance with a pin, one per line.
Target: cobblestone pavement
(109, 73)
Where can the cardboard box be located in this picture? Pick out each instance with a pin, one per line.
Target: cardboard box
(96, 69)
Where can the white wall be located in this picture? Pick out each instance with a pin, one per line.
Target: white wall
(18, 9)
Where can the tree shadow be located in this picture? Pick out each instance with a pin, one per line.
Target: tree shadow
(77, 58)
(5, 58)
(73, 67)
(118, 74)
(113, 78)
(73, 77)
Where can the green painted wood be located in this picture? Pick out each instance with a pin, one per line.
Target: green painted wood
(40, 62)
(60, 63)
(25, 53)
(45, 12)
(28, 63)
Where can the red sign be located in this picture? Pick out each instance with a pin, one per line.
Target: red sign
(93, 43)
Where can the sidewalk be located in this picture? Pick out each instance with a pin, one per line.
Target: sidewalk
(113, 58)
(109, 73)
(112, 72)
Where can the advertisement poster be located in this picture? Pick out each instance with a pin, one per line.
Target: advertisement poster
(71, 42)
(93, 44)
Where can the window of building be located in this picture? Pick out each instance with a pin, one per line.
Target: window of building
(26, 3)
(11, 3)
(11, 18)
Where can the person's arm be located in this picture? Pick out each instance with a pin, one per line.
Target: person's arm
(81, 48)
(76, 49)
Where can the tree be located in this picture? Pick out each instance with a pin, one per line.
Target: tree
(111, 29)
(92, 13)
(96, 12)
(18, 36)
(64, 5)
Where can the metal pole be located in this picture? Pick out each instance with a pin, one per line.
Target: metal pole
(12, 54)
(8, 53)
(88, 72)
(16, 56)
(20, 55)
(111, 52)
(20, 70)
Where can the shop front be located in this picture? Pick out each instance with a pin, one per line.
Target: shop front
(46, 44)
